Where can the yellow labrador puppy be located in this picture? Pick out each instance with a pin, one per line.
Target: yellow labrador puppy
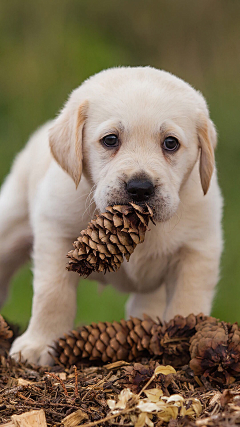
(126, 134)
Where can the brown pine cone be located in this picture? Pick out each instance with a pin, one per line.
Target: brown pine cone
(172, 341)
(108, 238)
(105, 341)
(215, 351)
(5, 336)
(128, 340)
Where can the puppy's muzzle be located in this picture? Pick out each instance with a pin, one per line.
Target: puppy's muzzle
(140, 190)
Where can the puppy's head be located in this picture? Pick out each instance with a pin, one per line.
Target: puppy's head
(138, 132)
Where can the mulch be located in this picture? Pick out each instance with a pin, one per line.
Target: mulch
(80, 396)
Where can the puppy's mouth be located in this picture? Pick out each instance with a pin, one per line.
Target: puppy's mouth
(130, 201)
(154, 205)
(161, 204)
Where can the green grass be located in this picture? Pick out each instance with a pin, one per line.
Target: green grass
(94, 303)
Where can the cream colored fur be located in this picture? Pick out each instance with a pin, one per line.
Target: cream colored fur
(44, 203)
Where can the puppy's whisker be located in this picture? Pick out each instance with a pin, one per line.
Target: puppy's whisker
(89, 200)
(174, 226)
(82, 196)
(178, 221)
(89, 197)
(87, 194)
(88, 208)
(92, 189)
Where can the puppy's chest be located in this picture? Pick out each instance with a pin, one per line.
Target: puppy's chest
(150, 261)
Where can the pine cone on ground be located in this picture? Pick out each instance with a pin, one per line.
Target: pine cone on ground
(5, 336)
(128, 340)
(172, 341)
(105, 342)
(108, 238)
(215, 351)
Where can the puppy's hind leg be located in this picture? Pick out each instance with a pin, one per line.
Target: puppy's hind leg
(15, 231)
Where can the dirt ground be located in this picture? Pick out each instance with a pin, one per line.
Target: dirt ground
(126, 394)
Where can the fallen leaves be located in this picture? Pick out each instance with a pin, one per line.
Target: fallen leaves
(155, 403)
(163, 407)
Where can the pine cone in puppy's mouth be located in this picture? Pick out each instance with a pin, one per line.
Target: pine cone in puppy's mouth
(109, 238)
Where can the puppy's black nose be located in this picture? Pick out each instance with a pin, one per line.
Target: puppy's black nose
(140, 190)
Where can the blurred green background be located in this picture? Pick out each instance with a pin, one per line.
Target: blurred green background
(48, 48)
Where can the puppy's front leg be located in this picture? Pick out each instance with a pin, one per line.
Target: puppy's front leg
(152, 304)
(191, 282)
(54, 301)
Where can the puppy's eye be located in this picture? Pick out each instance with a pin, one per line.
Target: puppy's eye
(171, 144)
(110, 141)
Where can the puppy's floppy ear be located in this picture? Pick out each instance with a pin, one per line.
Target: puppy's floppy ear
(65, 139)
(207, 138)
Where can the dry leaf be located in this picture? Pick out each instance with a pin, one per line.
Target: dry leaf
(168, 413)
(111, 404)
(123, 398)
(183, 411)
(195, 408)
(146, 405)
(177, 398)
(154, 394)
(143, 419)
(165, 370)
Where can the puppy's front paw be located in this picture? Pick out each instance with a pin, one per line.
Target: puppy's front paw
(32, 349)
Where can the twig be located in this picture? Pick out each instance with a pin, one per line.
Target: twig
(13, 390)
(47, 403)
(109, 417)
(97, 385)
(29, 400)
(60, 380)
(146, 385)
(76, 382)
(198, 381)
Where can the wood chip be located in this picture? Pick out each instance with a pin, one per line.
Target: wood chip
(74, 419)
(28, 419)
